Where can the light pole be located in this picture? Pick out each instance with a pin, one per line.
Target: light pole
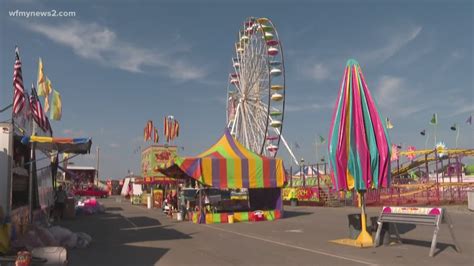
(302, 171)
(97, 167)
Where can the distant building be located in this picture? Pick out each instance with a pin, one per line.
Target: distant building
(80, 174)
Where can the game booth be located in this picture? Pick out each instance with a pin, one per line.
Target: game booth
(155, 183)
(156, 187)
(229, 166)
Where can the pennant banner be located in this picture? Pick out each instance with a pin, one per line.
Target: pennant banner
(321, 139)
(171, 128)
(434, 119)
(156, 137)
(389, 124)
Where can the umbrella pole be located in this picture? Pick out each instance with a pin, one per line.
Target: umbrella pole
(364, 239)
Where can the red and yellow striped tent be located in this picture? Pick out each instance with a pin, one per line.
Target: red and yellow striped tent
(228, 164)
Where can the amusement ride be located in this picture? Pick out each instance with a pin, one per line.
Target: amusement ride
(256, 90)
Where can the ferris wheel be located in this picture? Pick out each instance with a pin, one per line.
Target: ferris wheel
(256, 90)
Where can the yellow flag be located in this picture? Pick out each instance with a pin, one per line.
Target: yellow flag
(56, 106)
(47, 90)
(41, 82)
(46, 103)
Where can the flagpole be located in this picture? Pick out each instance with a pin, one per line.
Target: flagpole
(457, 135)
(30, 178)
(317, 150)
(426, 140)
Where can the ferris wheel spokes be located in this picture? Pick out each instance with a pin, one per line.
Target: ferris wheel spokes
(258, 78)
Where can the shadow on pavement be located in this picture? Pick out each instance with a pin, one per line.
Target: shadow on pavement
(113, 209)
(439, 246)
(402, 228)
(144, 221)
(111, 245)
(405, 228)
(293, 214)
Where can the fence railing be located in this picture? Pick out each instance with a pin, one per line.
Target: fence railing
(428, 191)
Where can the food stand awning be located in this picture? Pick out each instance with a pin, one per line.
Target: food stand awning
(153, 180)
(61, 145)
(228, 164)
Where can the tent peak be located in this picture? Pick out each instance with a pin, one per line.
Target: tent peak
(352, 62)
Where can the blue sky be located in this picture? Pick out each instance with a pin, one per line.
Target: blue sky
(119, 64)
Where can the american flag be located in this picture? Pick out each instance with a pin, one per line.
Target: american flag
(37, 110)
(18, 88)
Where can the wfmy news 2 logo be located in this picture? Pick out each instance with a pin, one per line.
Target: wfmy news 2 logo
(37, 13)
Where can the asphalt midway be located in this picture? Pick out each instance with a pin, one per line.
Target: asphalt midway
(133, 235)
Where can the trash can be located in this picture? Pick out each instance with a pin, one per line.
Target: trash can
(470, 200)
(148, 201)
(293, 202)
(354, 225)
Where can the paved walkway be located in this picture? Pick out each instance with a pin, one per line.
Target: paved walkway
(132, 235)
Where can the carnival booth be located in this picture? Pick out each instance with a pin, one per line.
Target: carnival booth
(155, 183)
(228, 165)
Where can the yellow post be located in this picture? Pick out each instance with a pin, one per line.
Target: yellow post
(364, 239)
(359, 200)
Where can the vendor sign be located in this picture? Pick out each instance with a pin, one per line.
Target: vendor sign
(155, 157)
(157, 198)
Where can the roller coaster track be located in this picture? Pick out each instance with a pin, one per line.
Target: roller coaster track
(450, 153)
(417, 188)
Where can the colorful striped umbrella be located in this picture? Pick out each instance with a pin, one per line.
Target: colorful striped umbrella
(359, 148)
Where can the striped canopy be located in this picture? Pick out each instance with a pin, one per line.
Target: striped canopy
(228, 164)
(67, 145)
(359, 149)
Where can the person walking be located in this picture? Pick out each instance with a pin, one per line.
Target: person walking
(60, 202)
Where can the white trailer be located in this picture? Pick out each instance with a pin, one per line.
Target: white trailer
(26, 182)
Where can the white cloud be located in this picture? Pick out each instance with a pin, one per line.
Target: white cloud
(101, 44)
(305, 107)
(394, 44)
(395, 98)
(74, 133)
(451, 60)
(390, 90)
(136, 140)
(464, 106)
(114, 145)
(318, 72)
(221, 100)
